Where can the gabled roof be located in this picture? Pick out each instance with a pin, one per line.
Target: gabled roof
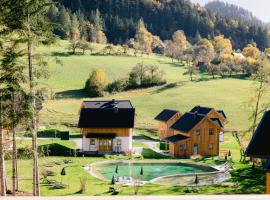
(259, 144)
(166, 115)
(187, 122)
(107, 104)
(201, 110)
(217, 121)
(222, 113)
(267, 164)
(176, 138)
(107, 114)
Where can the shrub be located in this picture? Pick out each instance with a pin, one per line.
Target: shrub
(118, 85)
(96, 83)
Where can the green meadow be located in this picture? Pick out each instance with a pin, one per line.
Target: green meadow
(67, 80)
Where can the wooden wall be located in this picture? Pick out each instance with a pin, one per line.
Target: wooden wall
(164, 130)
(120, 132)
(203, 141)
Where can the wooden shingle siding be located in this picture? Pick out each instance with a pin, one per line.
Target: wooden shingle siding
(203, 141)
(164, 130)
(120, 132)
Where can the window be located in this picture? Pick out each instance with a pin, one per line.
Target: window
(92, 141)
(210, 146)
(118, 142)
(211, 131)
(183, 147)
(198, 132)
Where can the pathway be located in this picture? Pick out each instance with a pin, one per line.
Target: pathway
(150, 143)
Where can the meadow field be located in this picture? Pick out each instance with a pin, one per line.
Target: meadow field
(68, 78)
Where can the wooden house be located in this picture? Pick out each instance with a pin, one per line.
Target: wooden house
(106, 126)
(194, 134)
(197, 132)
(165, 119)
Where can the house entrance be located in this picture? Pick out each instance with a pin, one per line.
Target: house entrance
(104, 144)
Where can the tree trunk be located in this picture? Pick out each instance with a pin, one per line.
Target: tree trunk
(257, 107)
(14, 152)
(36, 190)
(2, 158)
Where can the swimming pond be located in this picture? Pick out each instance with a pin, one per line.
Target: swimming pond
(148, 171)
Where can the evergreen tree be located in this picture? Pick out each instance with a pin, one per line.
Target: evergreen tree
(65, 23)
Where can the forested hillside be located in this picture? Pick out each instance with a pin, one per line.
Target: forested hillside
(234, 11)
(163, 18)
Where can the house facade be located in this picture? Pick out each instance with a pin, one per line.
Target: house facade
(195, 133)
(165, 119)
(106, 126)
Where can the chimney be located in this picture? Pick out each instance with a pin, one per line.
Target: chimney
(195, 114)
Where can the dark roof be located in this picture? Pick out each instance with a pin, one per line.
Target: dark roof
(201, 110)
(176, 138)
(222, 113)
(107, 114)
(108, 104)
(259, 144)
(101, 135)
(166, 115)
(187, 122)
(267, 164)
(217, 121)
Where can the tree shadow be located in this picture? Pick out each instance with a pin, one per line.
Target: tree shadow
(169, 86)
(174, 64)
(71, 94)
(61, 54)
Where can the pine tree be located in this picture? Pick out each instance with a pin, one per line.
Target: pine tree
(65, 23)
(74, 32)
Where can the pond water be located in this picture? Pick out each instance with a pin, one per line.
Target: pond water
(150, 170)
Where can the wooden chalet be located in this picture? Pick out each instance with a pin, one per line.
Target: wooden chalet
(259, 147)
(106, 126)
(165, 119)
(195, 133)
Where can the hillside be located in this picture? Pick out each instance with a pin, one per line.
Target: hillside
(234, 11)
(163, 18)
(180, 93)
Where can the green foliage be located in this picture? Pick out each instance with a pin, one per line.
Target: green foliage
(119, 85)
(121, 19)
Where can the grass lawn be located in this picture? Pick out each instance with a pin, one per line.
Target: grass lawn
(252, 185)
(67, 80)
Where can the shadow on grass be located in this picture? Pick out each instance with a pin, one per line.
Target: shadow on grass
(143, 137)
(61, 54)
(71, 94)
(208, 77)
(174, 64)
(150, 154)
(56, 149)
(168, 87)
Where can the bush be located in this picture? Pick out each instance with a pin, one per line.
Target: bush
(118, 85)
(96, 84)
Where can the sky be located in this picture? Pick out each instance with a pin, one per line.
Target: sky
(260, 8)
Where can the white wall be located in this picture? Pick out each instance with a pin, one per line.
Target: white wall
(126, 144)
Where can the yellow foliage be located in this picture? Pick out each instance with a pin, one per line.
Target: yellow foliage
(98, 76)
(222, 45)
(251, 51)
(179, 38)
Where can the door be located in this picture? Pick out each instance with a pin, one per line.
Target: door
(195, 149)
(105, 144)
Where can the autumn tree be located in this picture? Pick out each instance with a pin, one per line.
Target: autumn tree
(251, 51)
(191, 68)
(222, 45)
(144, 38)
(96, 83)
(180, 40)
(262, 76)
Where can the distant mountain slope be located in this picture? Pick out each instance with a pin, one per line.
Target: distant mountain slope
(234, 11)
(163, 17)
